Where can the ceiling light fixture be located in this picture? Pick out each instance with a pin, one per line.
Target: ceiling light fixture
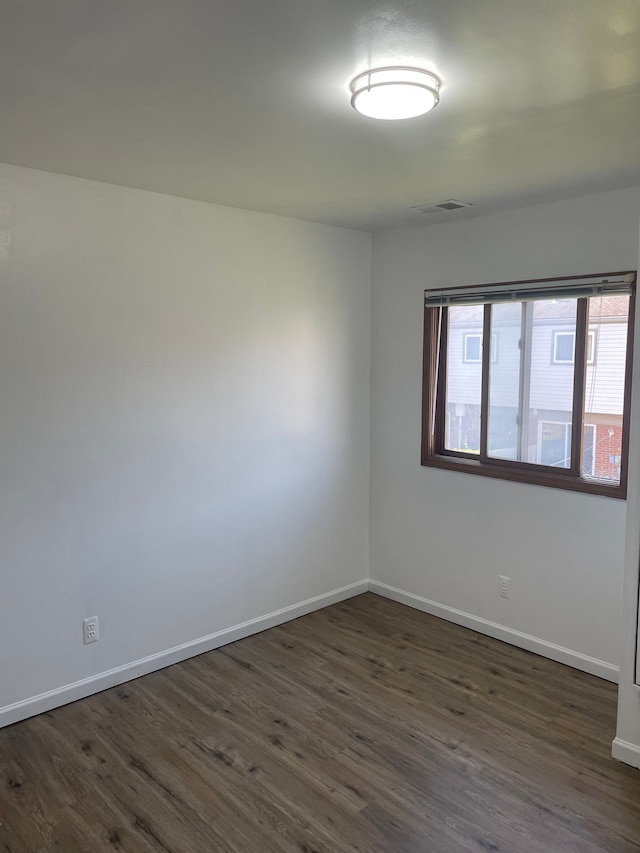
(395, 92)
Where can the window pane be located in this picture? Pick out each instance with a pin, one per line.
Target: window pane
(551, 385)
(604, 388)
(531, 389)
(464, 378)
(506, 321)
(564, 346)
(472, 347)
(555, 443)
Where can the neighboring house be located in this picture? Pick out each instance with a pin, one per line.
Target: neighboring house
(549, 366)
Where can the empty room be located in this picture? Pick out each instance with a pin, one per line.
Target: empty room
(320, 426)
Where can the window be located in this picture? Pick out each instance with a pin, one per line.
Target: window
(473, 347)
(563, 347)
(559, 421)
(564, 344)
(554, 444)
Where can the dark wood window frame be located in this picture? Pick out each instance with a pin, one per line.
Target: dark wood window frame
(433, 452)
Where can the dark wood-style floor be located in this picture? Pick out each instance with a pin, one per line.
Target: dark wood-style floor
(366, 726)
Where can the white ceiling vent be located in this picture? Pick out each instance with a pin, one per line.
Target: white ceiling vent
(447, 206)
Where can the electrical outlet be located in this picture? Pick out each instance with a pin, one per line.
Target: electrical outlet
(90, 630)
(505, 586)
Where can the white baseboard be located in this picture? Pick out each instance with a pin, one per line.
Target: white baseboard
(622, 750)
(601, 668)
(95, 683)
(9, 714)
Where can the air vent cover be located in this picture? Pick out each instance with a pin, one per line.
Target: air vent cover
(448, 205)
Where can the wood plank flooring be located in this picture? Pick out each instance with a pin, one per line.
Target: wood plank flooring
(366, 726)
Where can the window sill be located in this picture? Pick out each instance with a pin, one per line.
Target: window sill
(518, 475)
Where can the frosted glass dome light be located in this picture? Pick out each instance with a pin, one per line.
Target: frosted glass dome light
(395, 93)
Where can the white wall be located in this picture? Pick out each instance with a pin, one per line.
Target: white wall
(445, 536)
(184, 432)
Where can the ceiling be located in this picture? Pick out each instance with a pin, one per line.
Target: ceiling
(246, 102)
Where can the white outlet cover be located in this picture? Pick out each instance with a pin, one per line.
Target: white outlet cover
(90, 630)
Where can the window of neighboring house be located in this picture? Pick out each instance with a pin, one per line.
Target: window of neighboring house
(472, 347)
(521, 418)
(472, 352)
(564, 344)
(554, 445)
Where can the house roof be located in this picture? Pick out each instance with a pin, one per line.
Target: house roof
(246, 103)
